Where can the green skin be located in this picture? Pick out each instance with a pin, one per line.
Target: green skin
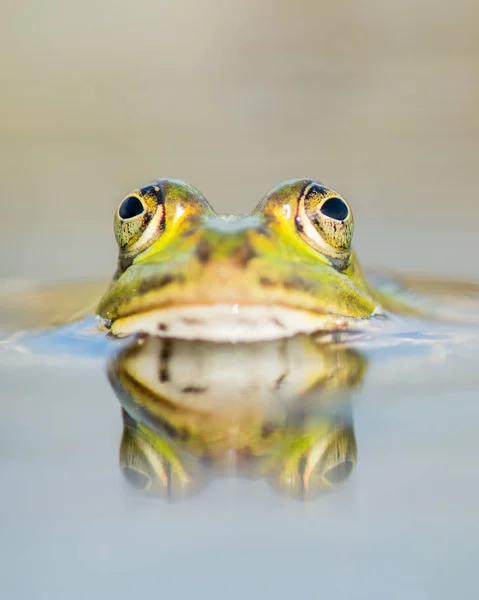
(286, 253)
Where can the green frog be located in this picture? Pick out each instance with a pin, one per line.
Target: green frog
(287, 268)
(185, 271)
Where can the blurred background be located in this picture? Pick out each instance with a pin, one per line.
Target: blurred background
(378, 100)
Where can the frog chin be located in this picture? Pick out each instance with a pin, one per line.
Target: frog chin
(230, 322)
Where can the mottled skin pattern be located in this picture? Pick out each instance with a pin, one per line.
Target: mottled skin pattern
(179, 252)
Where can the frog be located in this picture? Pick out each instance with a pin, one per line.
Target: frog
(185, 271)
(287, 268)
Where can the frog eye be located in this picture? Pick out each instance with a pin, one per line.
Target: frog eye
(139, 219)
(131, 207)
(334, 208)
(325, 219)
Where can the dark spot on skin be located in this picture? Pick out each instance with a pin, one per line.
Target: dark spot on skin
(279, 381)
(165, 280)
(162, 327)
(266, 281)
(155, 284)
(123, 263)
(164, 374)
(267, 430)
(244, 254)
(203, 251)
(165, 355)
(166, 350)
(297, 283)
(191, 389)
(278, 323)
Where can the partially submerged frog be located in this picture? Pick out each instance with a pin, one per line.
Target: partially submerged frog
(287, 268)
(184, 271)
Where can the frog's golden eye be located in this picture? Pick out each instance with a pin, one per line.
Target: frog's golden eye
(326, 222)
(139, 219)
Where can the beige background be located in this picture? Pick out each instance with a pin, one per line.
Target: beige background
(379, 100)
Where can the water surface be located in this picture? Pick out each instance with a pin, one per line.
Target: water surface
(404, 522)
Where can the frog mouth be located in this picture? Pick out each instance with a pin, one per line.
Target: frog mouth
(230, 322)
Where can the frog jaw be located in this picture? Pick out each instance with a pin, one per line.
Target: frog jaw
(230, 322)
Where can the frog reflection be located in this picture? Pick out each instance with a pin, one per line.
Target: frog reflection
(194, 411)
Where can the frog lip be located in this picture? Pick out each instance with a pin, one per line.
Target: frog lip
(230, 322)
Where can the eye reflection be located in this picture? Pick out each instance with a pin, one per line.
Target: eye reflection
(339, 473)
(213, 416)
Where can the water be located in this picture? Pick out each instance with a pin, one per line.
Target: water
(403, 521)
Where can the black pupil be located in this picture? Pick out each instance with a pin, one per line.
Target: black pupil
(130, 207)
(335, 208)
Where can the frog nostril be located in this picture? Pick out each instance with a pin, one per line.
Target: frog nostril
(131, 207)
(334, 208)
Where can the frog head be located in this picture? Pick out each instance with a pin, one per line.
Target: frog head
(185, 271)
